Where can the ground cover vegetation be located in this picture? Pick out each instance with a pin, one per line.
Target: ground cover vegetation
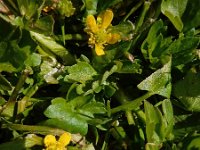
(99, 74)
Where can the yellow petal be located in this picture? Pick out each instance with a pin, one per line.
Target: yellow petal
(113, 38)
(91, 23)
(107, 18)
(65, 139)
(99, 49)
(49, 140)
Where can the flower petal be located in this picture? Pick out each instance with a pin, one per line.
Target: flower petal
(113, 38)
(49, 140)
(65, 139)
(107, 18)
(99, 49)
(91, 23)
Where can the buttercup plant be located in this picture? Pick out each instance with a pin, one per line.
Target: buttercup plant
(51, 143)
(99, 31)
(101, 74)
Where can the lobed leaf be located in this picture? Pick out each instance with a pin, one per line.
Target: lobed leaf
(174, 10)
(80, 72)
(187, 91)
(158, 82)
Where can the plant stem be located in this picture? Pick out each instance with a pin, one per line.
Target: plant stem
(133, 10)
(19, 85)
(62, 29)
(5, 18)
(122, 98)
(142, 16)
(68, 37)
(22, 103)
(105, 143)
(34, 129)
(9, 109)
(132, 104)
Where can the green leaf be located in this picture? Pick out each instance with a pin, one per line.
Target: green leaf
(168, 117)
(125, 66)
(187, 91)
(80, 72)
(49, 45)
(109, 90)
(104, 4)
(20, 144)
(192, 143)
(185, 123)
(183, 50)
(154, 124)
(191, 15)
(159, 127)
(33, 60)
(112, 51)
(174, 9)
(155, 43)
(125, 29)
(43, 25)
(4, 83)
(158, 82)
(151, 146)
(63, 116)
(92, 108)
(48, 70)
(75, 114)
(168, 111)
(12, 56)
(30, 8)
(91, 6)
(108, 73)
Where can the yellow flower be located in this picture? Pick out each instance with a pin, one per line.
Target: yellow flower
(99, 32)
(51, 143)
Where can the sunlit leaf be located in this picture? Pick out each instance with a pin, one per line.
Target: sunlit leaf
(80, 72)
(154, 121)
(52, 47)
(91, 6)
(159, 82)
(63, 116)
(174, 10)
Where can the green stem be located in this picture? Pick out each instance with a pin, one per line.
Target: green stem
(9, 109)
(68, 37)
(34, 129)
(105, 143)
(22, 103)
(108, 108)
(130, 118)
(5, 18)
(131, 105)
(63, 31)
(10, 34)
(12, 4)
(133, 10)
(142, 16)
(122, 98)
(19, 85)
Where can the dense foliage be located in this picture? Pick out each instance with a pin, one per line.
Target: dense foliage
(116, 74)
